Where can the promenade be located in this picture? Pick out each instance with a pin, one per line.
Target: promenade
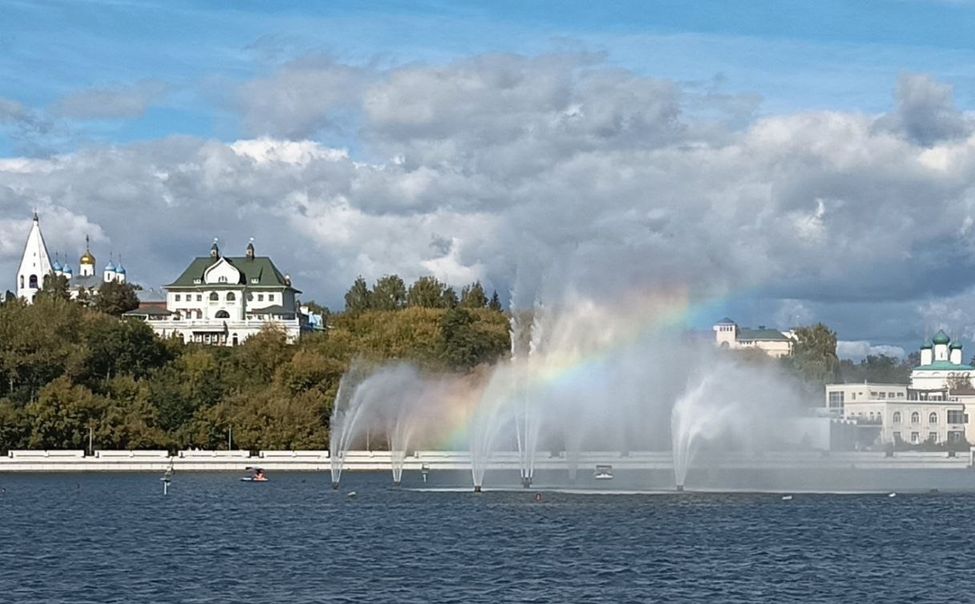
(320, 461)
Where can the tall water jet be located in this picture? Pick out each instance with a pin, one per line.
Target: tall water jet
(732, 407)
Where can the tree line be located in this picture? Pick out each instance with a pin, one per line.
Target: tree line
(68, 367)
(391, 293)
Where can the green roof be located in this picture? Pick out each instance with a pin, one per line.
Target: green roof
(254, 272)
(761, 334)
(941, 337)
(944, 366)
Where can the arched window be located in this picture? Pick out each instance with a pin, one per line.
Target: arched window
(915, 417)
(897, 417)
(222, 314)
(250, 297)
(21, 282)
(33, 281)
(235, 339)
(231, 297)
(214, 297)
(222, 279)
(933, 418)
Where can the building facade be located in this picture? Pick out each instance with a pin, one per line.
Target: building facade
(36, 267)
(727, 334)
(937, 407)
(221, 300)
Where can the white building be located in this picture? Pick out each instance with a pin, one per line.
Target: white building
(727, 334)
(224, 300)
(36, 267)
(937, 406)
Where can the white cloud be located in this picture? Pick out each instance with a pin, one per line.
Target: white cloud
(857, 350)
(488, 165)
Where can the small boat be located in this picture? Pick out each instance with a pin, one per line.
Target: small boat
(603, 473)
(787, 498)
(257, 475)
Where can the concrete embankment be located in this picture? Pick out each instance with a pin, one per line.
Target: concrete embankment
(319, 461)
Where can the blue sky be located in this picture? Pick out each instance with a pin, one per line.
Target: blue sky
(794, 55)
(809, 159)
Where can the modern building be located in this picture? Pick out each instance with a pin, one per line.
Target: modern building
(938, 405)
(36, 267)
(222, 300)
(727, 334)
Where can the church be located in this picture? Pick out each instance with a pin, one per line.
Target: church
(223, 300)
(36, 267)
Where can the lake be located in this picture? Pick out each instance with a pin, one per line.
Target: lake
(115, 538)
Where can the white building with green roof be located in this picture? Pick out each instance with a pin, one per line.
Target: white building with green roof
(775, 343)
(222, 300)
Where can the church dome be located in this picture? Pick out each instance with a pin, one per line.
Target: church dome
(941, 337)
(57, 266)
(955, 346)
(110, 266)
(67, 270)
(120, 270)
(87, 258)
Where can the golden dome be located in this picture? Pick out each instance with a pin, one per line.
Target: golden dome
(87, 258)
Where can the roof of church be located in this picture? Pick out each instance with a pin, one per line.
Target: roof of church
(944, 366)
(257, 272)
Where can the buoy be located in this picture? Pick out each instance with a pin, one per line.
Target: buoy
(892, 494)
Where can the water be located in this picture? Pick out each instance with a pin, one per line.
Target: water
(115, 538)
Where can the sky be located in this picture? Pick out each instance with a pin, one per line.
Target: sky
(784, 162)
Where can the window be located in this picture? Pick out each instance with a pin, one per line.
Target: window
(883, 395)
(835, 400)
(33, 281)
(235, 339)
(260, 297)
(957, 416)
(933, 418)
(176, 297)
(915, 418)
(222, 279)
(231, 297)
(932, 437)
(222, 314)
(214, 297)
(897, 417)
(270, 297)
(915, 438)
(199, 297)
(21, 282)
(956, 436)
(250, 297)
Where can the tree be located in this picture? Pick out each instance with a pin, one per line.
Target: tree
(358, 298)
(116, 298)
(389, 293)
(465, 345)
(55, 288)
(814, 356)
(473, 296)
(426, 292)
(495, 303)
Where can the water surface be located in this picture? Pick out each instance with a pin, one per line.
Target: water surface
(116, 538)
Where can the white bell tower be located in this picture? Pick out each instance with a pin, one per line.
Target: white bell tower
(35, 266)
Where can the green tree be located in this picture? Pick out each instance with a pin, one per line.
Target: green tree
(358, 298)
(465, 344)
(116, 298)
(473, 296)
(427, 292)
(55, 288)
(814, 356)
(495, 303)
(389, 293)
